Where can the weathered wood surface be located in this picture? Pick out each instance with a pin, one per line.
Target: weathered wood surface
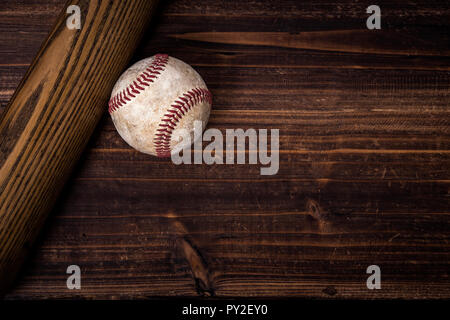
(364, 162)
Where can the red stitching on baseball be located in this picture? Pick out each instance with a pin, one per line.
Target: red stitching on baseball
(138, 85)
(174, 114)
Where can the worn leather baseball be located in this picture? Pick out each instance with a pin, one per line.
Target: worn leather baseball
(154, 98)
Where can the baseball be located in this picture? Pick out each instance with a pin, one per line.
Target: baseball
(154, 98)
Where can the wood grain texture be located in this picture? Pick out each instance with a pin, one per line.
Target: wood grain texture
(53, 113)
(364, 161)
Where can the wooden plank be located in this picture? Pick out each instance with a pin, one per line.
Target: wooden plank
(364, 162)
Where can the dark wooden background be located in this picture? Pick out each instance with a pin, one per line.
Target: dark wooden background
(364, 161)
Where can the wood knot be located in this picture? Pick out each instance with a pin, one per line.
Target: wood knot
(197, 263)
(199, 268)
(314, 209)
(330, 290)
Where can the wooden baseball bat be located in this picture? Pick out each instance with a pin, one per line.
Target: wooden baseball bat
(54, 111)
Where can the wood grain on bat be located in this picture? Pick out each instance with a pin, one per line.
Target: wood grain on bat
(53, 113)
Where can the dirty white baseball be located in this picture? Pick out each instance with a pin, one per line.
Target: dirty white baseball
(154, 98)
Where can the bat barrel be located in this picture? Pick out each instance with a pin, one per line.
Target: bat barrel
(53, 113)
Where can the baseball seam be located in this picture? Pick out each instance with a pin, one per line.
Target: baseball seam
(150, 74)
(176, 111)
